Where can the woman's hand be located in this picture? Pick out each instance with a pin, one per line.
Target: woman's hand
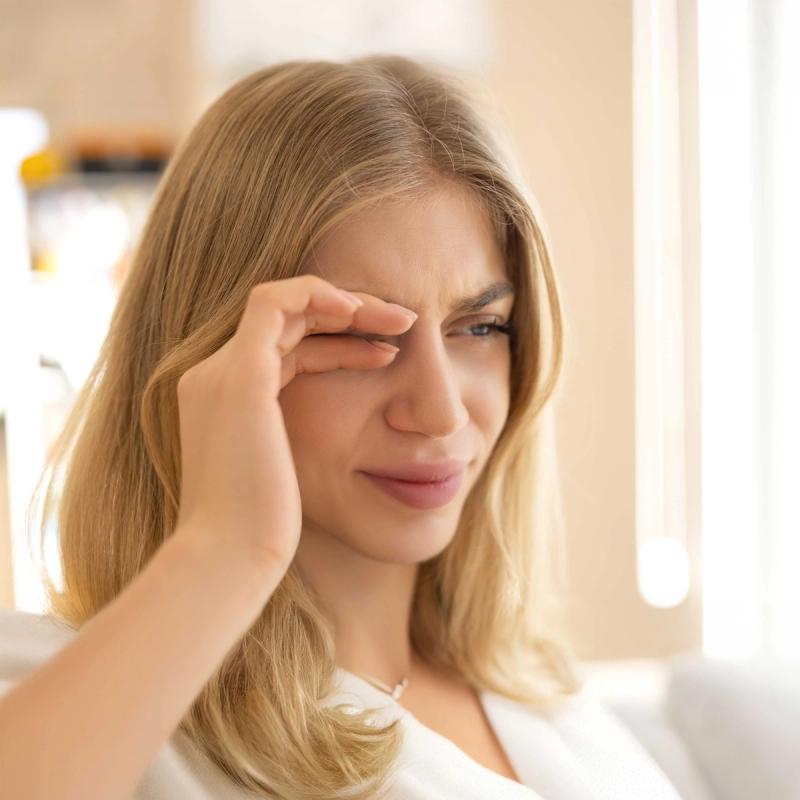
(238, 481)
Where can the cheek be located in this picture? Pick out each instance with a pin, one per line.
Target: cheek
(488, 404)
(488, 394)
(322, 429)
(318, 417)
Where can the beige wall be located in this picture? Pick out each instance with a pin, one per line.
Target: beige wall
(562, 74)
(563, 78)
(100, 62)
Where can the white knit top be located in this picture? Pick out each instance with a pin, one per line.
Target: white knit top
(585, 753)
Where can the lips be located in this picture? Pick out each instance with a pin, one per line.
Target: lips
(420, 495)
(419, 471)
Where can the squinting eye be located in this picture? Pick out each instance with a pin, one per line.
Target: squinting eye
(481, 330)
(484, 330)
(493, 328)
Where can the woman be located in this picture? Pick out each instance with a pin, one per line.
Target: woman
(248, 608)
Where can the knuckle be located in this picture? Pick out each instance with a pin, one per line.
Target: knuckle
(316, 280)
(262, 292)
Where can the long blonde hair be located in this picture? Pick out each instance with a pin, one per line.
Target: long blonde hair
(276, 161)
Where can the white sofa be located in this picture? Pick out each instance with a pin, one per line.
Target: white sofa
(720, 729)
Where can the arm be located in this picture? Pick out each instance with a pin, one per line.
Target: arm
(88, 721)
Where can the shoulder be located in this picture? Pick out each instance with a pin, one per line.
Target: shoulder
(27, 639)
(584, 721)
(584, 742)
(607, 746)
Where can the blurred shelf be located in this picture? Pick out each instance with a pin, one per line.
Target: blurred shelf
(100, 178)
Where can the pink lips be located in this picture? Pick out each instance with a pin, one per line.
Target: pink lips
(419, 470)
(424, 495)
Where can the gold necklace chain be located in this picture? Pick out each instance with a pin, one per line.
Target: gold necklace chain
(378, 684)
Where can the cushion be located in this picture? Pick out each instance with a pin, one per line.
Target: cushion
(741, 721)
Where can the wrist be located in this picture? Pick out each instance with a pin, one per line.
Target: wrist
(208, 553)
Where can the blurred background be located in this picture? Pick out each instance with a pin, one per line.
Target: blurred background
(660, 142)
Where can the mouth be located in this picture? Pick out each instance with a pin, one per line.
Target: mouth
(419, 494)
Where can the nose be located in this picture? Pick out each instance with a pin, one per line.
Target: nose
(426, 388)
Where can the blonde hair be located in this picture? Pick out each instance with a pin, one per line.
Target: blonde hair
(276, 161)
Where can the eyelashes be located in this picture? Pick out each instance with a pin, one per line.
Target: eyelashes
(506, 328)
(494, 329)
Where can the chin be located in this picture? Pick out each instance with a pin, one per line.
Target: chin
(405, 547)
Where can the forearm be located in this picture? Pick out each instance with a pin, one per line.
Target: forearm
(88, 721)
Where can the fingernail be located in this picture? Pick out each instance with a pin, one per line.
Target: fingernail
(407, 311)
(384, 346)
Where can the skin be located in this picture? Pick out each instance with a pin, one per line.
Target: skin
(444, 394)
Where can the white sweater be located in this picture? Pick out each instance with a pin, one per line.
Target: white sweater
(584, 754)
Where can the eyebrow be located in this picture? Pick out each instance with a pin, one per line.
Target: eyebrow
(494, 291)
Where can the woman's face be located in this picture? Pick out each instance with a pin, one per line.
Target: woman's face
(445, 394)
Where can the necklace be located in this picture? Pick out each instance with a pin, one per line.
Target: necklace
(395, 693)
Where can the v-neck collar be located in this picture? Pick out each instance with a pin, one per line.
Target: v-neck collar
(581, 752)
(389, 709)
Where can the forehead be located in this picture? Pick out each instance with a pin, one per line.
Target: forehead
(433, 250)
